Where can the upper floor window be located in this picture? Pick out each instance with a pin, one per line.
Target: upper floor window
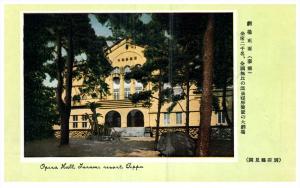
(116, 70)
(116, 94)
(178, 118)
(166, 118)
(221, 118)
(84, 124)
(84, 121)
(116, 83)
(127, 70)
(138, 87)
(126, 92)
(116, 88)
(75, 119)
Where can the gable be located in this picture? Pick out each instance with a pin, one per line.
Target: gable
(125, 53)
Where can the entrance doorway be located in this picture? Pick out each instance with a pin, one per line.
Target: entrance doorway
(113, 119)
(135, 118)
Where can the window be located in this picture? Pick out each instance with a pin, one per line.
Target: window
(127, 92)
(127, 83)
(221, 118)
(138, 87)
(178, 118)
(75, 124)
(116, 87)
(166, 118)
(84, 124)
(84, 121)
(127, 70)
(75, 119)
(116, 94)
(116, 70)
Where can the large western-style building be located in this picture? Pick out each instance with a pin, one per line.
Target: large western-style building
(118, 111)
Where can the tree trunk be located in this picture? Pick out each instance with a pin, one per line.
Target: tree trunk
(187, 109)
(225, 111)
(224, 106)
(206, 101)
(158, 111)
(94, 119)
(68, 89)
(59, 89)
(91, 122)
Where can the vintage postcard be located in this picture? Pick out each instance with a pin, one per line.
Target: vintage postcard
(150, 92)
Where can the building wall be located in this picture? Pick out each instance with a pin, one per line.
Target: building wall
(121, 55)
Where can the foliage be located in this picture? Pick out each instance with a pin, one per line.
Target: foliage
(124, 25)
(76, 98)
(62, 37)
(39, 102)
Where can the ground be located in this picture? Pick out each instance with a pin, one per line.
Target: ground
(126, 147)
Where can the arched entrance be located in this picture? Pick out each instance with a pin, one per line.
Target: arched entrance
(113, 119)
(135, 118)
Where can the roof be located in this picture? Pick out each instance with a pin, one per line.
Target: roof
(115, 44)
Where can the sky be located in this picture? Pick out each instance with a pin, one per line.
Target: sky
(100, 30)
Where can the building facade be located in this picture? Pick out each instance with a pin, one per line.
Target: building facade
(117, 110)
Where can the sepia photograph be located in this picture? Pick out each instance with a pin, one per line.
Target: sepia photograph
(128, 84)
(148, 94)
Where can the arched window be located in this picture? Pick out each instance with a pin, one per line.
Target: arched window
(116, 87)
(127, 70)
(127, 83)
(116, 70)
(138, 87)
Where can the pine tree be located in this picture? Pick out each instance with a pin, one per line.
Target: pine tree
(72, 34)
(39, 101)
(206, 101)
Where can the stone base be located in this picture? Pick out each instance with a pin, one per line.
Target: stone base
(131, 131)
